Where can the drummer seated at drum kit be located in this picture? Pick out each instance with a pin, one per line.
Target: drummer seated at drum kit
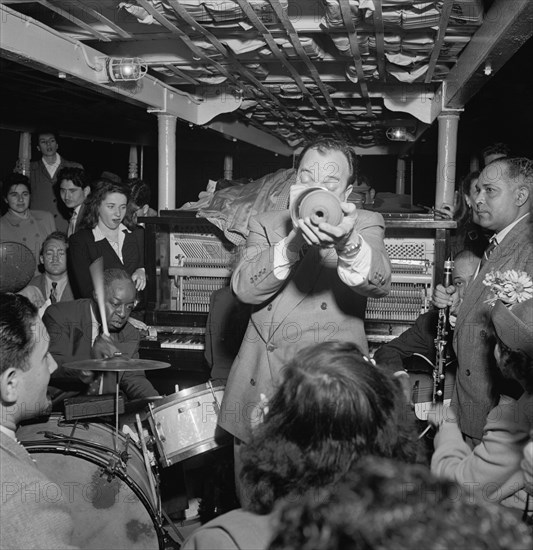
(75, 330)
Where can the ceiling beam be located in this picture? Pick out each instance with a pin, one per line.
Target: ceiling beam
(28, 41)
(249, 134)
(507, 25)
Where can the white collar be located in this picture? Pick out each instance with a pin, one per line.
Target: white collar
(498, 237)
(99, 236)
(8, 432)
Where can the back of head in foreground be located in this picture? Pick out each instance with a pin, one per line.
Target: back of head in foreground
(387, 505)
(332, 406)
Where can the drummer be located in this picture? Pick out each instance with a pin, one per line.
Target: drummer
(75, 330)
(30, 518)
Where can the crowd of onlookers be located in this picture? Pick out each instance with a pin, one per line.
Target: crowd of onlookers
(72, 221)
(333, 457)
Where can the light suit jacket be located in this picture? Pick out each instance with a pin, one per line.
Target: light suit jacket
(70, 327)
(30, 519)
(312, 305)
(474, 395)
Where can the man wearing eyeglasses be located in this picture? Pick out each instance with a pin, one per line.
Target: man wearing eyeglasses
(75, 330)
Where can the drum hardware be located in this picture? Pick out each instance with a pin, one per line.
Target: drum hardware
(120, 511)
(216, 404)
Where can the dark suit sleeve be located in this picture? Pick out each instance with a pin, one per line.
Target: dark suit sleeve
(79, 260)
(60, 347)
(133, 383)
(418, 339)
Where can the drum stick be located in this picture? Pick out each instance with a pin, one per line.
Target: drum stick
(97, 275)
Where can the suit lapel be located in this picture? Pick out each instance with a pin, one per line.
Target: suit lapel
(509, 246)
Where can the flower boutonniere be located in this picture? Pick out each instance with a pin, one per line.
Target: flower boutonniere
(511, 286)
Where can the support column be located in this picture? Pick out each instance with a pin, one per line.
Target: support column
(400, 176)
(166, 126)
(24, 153)
(228, 167)
(133, 170)
(447, 150)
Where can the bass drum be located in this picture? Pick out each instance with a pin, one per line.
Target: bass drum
(102, 478)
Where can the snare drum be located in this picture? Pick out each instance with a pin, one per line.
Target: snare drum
(102, 478)
(184, 423)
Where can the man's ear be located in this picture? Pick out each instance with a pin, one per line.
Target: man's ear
(348, 191)
(522, 194)
(9, 385)
(41, 259)
(86, 191)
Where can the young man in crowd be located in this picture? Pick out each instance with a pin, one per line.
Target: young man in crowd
(73, 190)
(43, 177)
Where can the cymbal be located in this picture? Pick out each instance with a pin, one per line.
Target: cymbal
(116, 364)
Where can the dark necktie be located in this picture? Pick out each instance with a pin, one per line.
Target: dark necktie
(488, 251)
(53, 293)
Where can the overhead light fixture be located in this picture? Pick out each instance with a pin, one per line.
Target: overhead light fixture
(124, 69)
(399, 133)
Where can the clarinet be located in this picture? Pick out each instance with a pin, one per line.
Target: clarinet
(441, 343)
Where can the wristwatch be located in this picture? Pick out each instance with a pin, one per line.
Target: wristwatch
(351, 249)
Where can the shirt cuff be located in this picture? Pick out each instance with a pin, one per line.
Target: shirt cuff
(354, 271)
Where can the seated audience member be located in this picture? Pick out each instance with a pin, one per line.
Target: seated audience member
(138, 205)
(332, 406)
(420, 338)
(53, 283)
(494, 152)
(43, 176)
(73, 190)
(386, 505)
(485, 471)
(106, 231)
(76, 333)
(29, 517)
(51, 286)
(20, 224)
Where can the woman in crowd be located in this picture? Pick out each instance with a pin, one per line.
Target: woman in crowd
(383, 504)
(332, 406)
(492, 471)
(106, 231)
(20, 224)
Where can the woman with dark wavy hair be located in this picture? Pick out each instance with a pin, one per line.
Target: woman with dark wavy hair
(106, 231)
(333, 406)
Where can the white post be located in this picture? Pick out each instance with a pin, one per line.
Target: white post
(24, 153)
(132, 165)
(228, 167)
(447, 150)
(400, 176)
(166, 125)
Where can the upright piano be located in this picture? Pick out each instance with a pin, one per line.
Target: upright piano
(188, 258)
